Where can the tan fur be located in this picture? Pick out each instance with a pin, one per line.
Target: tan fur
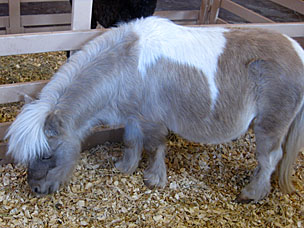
(267, 49)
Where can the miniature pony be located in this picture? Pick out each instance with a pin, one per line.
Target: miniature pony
(208, 85)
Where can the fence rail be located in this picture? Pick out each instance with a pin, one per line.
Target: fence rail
(243, 12)
(10, 93)
(296, 5)
(214, 6)
(16, 23)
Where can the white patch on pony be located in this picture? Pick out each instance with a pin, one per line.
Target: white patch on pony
(195, 47)
(297, 48)
(26, 135)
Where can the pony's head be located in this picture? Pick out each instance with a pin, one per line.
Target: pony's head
(48, 171)
(41, 140)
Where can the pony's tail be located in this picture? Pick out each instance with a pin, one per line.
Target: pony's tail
(292, 145)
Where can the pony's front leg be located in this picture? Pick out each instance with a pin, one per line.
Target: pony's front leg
(156, 174)
(154, 143)
(133, 140)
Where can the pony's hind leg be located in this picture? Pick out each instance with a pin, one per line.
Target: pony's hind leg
(270, 128)
(278, 99)
(269, 153)
(133, 139)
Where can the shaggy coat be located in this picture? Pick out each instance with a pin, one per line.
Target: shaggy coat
(206, 84)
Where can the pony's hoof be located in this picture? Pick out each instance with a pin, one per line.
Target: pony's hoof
(241, 199)
(152, 180)
(125, 167)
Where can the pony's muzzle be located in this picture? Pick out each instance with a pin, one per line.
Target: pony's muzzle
(43, 188)
(36, 189)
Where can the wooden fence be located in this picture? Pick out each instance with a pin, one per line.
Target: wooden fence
(211, 10)
(17, 23)
(79, 33)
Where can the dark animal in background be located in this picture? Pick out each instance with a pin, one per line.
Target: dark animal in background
(110, 12)
(207, 85)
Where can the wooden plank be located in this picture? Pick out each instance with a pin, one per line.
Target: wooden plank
(290, 29)
(15, 92)
(186, 22)
(243, 12)
(46, 19)
(214, 11)
(221, 21)
(4, 21)
(296, 5)
(14, 17)
(47, 29)
(81, 14)
(45, 41)
(99, 136)
(3, 129)
(4, 159)
(204, 13)
(178, 15)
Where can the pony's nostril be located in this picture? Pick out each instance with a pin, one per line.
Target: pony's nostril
(36, 189)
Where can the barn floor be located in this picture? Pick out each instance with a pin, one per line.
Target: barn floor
(203, 181)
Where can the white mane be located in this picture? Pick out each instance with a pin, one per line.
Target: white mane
(26, 136)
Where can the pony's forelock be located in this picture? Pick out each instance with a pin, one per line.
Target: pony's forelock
(27, 140)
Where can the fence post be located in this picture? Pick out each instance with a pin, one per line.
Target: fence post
(81, 14)
(204, 12)
(209, 11)
(14, 17)
(214, 11)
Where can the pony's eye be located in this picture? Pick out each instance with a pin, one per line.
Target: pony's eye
(46, 157)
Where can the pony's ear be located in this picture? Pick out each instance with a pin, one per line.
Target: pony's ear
(28, 99)
(53, 125)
